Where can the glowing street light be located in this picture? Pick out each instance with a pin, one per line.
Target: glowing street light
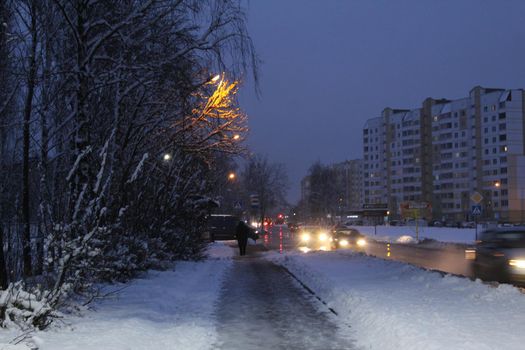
(166, 156)
(231, 176)
(215, 78)
(497, 184)
(236, 137)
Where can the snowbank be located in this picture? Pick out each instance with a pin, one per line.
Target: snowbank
(220, 250)
(163, 310)
(443, 234)
(391, 305)
(13, 347)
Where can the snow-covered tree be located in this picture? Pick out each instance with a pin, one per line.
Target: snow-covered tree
(121, 111)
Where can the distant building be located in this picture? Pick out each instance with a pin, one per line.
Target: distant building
(349, 183)
(445, 151)
(345, 194)
(305, 188)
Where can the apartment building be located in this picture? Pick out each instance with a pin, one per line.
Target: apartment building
(375, 174)
(445, 151)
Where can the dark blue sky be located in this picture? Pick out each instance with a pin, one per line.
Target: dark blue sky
(330, 65)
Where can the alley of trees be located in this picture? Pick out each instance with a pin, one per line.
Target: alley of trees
(116, 118)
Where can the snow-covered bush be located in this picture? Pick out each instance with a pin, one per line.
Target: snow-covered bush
(25, 308)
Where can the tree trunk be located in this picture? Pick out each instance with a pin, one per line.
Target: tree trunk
(4, 59)
(28, 108)
(3, 270)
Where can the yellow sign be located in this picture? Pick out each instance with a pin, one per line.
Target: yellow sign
(476, 197)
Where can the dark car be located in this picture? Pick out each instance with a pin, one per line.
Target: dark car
(267, 222)
(500, 255)
(279, 220)
(292, 226)
(348, 238)
(220, 227)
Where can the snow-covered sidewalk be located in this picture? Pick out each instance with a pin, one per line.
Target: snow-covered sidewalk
(392, 305)
(162, 310)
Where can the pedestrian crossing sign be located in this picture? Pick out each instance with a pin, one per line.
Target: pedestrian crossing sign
(476, 210)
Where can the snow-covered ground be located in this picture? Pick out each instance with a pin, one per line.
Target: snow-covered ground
(387, 304)
(162, 310)
(392, 305)
(442, 234)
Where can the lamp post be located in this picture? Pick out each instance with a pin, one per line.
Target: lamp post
(497, 185)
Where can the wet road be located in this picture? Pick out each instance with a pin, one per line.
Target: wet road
(449, 259)
(262, 307)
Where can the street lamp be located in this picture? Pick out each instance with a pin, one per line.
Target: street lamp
(236, 137)
(231, 176)
(166, 156)
(215, 78)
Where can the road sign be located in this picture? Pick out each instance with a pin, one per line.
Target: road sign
(476, 210)
(375, 206)
(237, 205)
(476, 197)
(376, 213)
(254, 201)
(415, 210)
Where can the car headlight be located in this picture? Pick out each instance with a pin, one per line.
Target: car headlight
(361, 242)
(518, 263)
(323, 237)
(305, 237)
(343, 243)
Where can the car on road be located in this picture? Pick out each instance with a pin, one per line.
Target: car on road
(267, 222)
(344, 238)
(314, 238)
(500, 255)
(293, 226)
(220, 227)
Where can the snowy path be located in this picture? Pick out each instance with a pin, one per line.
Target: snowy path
(169, 310)
(261, 307)
(163, 311)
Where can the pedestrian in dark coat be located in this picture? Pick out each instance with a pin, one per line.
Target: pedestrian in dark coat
(241, 233)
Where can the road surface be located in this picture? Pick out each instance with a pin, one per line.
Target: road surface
(449, 259)
(262, 307)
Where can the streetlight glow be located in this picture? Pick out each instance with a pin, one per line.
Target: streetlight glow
(215, 78)
(231, 176)
(236, 136)
(166, 156)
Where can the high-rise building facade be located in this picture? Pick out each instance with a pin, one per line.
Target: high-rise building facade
(445, 151)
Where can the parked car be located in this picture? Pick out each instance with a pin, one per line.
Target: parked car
(500, 255)
(348, 238)
(420, 222)
(220, 227)
(436, 223)
(468, 224)
(451, 224)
